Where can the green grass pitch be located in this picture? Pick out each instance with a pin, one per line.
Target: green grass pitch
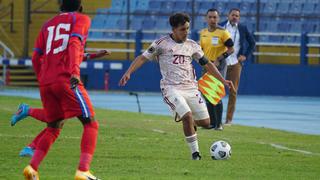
(140, 146)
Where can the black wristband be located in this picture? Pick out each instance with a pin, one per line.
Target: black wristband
(225, 54)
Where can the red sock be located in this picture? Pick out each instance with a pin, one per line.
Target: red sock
(37, 113)
(88, 145)
(35, 141)
(43, 146)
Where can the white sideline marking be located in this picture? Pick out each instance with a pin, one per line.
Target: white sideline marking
(290, 149)
(33, 136)
(158, 131)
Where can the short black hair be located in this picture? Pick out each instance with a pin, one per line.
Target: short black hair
(178, 19)
(234, 9)
(70, 5)
(213, 10)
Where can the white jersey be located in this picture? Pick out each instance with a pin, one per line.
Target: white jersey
(175, 61)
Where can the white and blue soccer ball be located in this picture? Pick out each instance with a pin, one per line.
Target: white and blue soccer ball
(220, 150)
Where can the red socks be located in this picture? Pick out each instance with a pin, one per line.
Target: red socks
(35, 141)
(37, 113)
(88, 145)
(43, 146)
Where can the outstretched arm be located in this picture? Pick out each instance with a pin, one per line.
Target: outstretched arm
(212, 69)
(136, 64)
(99, 54)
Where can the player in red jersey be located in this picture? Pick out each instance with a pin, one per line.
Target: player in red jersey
(56, 60)
(25, 110)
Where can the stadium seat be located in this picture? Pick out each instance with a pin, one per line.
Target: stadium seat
(136, 22)
(118, 6)
(184, 6)
(139, 6)
(295, 26)
(199, 23)
(163, 24)
(203, 6)
(310, 8)
(296, 8)
(283, 8)
(154, 6)
(268, 8)
(167, 7)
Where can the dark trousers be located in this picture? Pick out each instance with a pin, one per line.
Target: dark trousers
(215, 113)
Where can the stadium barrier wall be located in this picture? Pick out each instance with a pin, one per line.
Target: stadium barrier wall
(256, 79)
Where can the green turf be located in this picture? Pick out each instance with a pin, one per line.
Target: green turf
(132, 146)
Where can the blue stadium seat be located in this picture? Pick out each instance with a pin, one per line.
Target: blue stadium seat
(200, 23)
(139, 6)
(167, 7)
(268, 8)
(203, 6)
(247, 8)
(296, 8)
(295, 26)
(155, 6)
(309, 27)
(148, 24)
(310, 8)
(118, 6)
(136, 23)
(183, 6)
(284, 26)
(283, 8)
(163, 24)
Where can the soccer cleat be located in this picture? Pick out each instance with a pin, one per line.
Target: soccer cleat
(26, 152)
(30, 174)
(219, 128)
(84, 175)
(196, 156)
(21, 113)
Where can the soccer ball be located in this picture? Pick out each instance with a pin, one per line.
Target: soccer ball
(220, 150)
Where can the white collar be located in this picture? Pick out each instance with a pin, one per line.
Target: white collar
(229, 24)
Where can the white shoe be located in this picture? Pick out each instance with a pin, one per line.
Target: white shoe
(84, 175)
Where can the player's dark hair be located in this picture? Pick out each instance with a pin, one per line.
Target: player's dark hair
(234, 9)
(213, 10)
(70, 5)
(178, 19)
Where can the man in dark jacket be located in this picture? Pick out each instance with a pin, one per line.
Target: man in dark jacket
(244, 45)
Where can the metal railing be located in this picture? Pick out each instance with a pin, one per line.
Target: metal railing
(5, 51)
(304, 44)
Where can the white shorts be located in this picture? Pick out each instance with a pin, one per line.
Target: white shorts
(186, 100)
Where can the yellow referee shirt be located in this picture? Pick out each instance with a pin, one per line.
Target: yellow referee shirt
(213, 43)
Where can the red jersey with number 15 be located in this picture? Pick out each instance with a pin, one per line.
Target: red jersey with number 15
(59, 60)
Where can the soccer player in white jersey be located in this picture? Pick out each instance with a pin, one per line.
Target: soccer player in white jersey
(179, 87)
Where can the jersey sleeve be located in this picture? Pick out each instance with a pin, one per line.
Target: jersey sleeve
(79, 32)
(152, 51)
(80, 27)
(38, 51)
(197, 51)
(226, 36)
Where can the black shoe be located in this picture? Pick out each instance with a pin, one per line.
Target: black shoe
(196, 156)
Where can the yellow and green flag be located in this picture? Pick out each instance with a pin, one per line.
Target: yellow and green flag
(211, 88)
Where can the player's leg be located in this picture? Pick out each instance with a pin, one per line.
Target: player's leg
(212, 114)
(218, 111)
(77, 103)
(190, 135)
(46, 140)
(198, 108)
(233, 74)
(88, 146)
(21, 113)
(177, 103)
(24, 111)
(28, 151)
(38, 114)
(54, 116)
